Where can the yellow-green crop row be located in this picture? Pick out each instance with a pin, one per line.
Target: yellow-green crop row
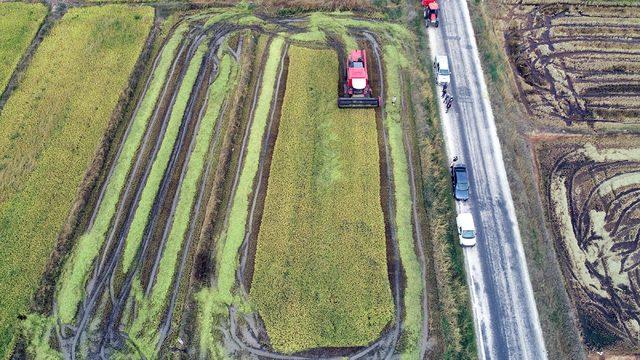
(77, 267)
(160, 163)
(320, 276)
(49, 132)
(213, 301)
(19, 23)
(144, 329)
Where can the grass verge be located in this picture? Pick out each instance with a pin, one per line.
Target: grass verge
(454, 312)
(562, 338)
(19, 23)
(47, 140)
(320, 275)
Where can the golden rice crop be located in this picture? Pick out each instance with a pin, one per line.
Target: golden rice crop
(19, 23)
(320, 275)
(50, 129)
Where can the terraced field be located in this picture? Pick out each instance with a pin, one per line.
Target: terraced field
(576, 63)
(231, 170)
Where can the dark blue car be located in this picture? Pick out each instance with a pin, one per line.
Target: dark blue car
(460, 182)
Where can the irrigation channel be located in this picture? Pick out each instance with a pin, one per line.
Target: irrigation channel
(112, 294)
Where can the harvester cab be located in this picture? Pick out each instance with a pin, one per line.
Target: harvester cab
(431, 12)
(356, 88)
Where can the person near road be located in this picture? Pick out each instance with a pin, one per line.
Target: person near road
(446, 98)
(444, 90)
(449, 104)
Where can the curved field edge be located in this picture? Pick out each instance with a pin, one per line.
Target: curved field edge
(77, 267)
(213, 301)
(50, 109)
(19, 23)
(143, 329)
(321, 244)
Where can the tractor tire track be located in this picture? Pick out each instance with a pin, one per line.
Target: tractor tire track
(165, 327)
(384, 347)
(178, 162)
(137, 179)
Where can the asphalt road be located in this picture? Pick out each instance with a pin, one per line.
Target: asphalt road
(504, 309)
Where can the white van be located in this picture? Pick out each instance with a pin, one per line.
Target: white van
(441, 68)
(466, 229)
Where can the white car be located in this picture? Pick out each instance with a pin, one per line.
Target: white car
(441, 68)
(466, 229)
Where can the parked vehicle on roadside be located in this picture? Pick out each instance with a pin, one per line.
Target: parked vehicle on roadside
(466, 229)
(441, 68)
(460, 181)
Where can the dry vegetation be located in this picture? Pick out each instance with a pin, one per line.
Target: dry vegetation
(574, 70)
(592, 188)
(576, 63)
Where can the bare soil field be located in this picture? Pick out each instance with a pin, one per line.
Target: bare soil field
(592, 189)
(576, 63)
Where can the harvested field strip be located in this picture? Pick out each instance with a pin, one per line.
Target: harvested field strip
(404, 229)
(47, 142)
(234, 234)
(79, 263)
(320, 275)
(141, 217)
(213, 301)
(19, 23)
(148, 315)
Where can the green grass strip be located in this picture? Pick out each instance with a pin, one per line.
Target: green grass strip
(78, 266)
(234, 235)
(19, 23)
(394, 61)
(146, 322)
(141, 217)
(212, 302)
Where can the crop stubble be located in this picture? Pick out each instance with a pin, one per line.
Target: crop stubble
(576, 63)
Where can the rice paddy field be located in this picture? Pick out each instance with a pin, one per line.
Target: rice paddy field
(19, 23)
(320, 275)
(576, 64)
(188, 187)
(48, 142)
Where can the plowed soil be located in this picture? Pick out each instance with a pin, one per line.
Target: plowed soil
(592, 189)
(576, 64)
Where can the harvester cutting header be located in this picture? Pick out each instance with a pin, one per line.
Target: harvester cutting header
(357, 90)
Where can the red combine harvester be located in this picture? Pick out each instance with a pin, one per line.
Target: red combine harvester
(357, 90)
(431, 10)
